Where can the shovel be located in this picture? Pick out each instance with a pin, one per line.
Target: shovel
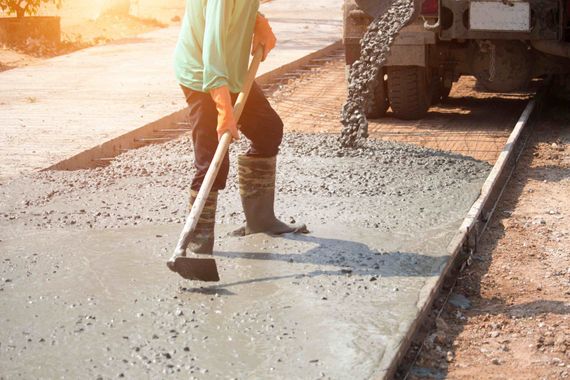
(205, 269)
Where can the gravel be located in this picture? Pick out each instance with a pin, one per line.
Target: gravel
(316, 180)
(363, 76)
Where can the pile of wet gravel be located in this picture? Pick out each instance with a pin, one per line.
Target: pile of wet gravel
(316, 181)
(363, 75)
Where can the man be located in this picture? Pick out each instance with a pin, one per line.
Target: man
(211, 61)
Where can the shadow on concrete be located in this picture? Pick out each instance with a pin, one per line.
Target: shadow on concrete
(211, 290)
(351, 258)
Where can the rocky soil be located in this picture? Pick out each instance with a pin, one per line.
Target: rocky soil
(509, 314)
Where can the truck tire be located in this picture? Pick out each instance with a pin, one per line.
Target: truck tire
(560, 88)
(380, 103)
(409, 91)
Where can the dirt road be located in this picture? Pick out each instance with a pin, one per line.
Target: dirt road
(83, 24)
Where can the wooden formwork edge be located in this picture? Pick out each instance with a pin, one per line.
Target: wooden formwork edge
(101, 153)
(466, 239)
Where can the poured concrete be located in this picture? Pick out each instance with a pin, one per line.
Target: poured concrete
(338, 301)
(335, 302)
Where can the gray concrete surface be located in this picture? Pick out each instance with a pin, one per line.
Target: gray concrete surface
(59, 107)
(86, 292)
(292, 307)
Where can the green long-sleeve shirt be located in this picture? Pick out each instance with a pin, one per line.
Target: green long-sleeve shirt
(214, 44)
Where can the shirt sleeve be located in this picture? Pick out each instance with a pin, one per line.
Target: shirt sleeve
(214, 53)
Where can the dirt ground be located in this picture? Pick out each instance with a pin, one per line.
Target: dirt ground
(85, 23)
(509, 314)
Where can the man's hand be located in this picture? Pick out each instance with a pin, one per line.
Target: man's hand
(226, 120)
(263, 36)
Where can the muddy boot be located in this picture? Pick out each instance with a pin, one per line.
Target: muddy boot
(202, 239)
(257, 190)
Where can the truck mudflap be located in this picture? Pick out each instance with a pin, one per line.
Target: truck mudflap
(375, 8)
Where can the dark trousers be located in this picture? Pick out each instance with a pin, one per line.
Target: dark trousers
(259, 123)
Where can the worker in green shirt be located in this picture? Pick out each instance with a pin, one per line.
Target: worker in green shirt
(211, 62)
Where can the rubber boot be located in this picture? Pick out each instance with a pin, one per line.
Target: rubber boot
(257, 191)
(202, 240)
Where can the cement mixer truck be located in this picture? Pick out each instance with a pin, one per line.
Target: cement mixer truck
(503, 43)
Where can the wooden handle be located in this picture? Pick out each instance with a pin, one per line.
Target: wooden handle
(223, 145)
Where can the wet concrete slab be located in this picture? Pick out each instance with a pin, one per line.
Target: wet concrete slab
(333, 303)
(90, 294)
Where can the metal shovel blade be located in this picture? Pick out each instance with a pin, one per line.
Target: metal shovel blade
(192, 268)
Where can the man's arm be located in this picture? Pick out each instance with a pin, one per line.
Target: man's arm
(263, 36)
